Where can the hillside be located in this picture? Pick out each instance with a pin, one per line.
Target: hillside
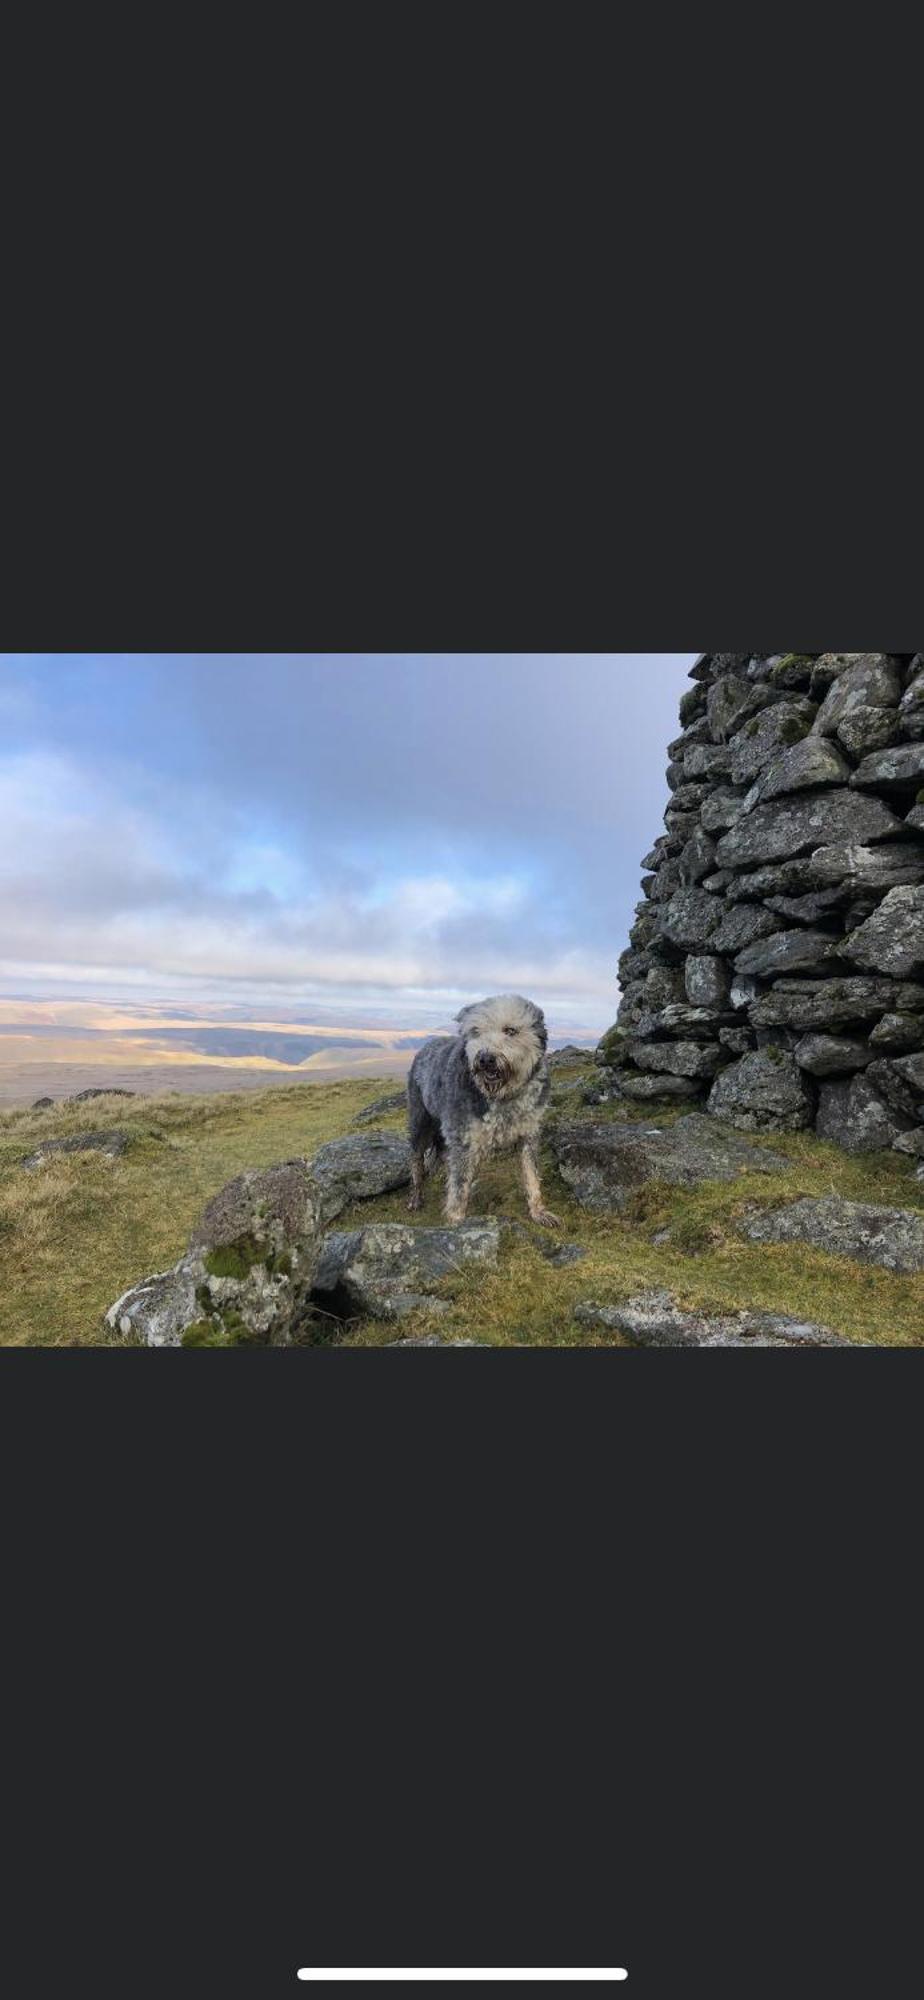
(77, 1232)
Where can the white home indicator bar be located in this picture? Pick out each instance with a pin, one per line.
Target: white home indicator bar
(618, 1972)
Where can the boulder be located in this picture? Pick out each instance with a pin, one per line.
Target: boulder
(708, 982)
(605, 1165)
(686, 1059)
(785, 826)
(655, 1089)
(246, 1277)
(360, 1167)
(833, 1003)
(388, 1269)
(765, 1091)
(853, 1115)
(743, 925)
(654, 1319)
(814, 762)
(853, 866)
(382, 1108)
(98, 1090)
(892, 939)
(890, 1237)
(785, 951)
(689, 919)
(110, 1144)
(867, 681)
(898, 1034)
(897, 770)
(831, 1055)
(765, 735)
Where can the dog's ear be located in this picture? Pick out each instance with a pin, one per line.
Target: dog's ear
(462, 1018)
(537, 1023)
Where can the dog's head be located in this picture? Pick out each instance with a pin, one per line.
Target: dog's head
(505, 1040)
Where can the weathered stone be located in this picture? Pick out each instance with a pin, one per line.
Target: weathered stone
(360, 1167)
(786, 951)
(722, 809)
(731, 701)
(892, 939)
(743, 925)
(384, 1106)
(98, 1090)
(691, 1059)
(159, 1310)
(664, 985)
(708, 982)
(869, 680)
(689, 919)
(763, 1092)
(273, 1207)
(109, 1144)
(911, 1142)
(707, 760)
(901, 1088)
(831, 1055)
(911, 1070)
(760, 739)
(868, 729)
(811, 909)
(890, 1237)
(853, 1115)
(812, 763)
(911, 708)
(898, 770)
(656, 1089)
(386, 1270)
(891, 866)
(786, 826)
(604, 1165)
(833, 1003)
(654, 1319)
(898, 1034)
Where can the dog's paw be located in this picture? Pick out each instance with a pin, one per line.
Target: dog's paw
(544, 1218)
(415, 1203)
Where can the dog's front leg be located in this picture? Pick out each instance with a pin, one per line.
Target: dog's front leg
(531, 1182)
(459, 1178)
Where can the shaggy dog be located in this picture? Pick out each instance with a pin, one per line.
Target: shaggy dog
(479, 1091)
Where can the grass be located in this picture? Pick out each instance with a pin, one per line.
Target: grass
(75, 1234)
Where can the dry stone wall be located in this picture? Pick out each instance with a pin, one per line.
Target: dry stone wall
(776, 964)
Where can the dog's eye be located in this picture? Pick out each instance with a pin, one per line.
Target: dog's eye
(511, 1031)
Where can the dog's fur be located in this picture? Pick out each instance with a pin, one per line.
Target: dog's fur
(477, 1092)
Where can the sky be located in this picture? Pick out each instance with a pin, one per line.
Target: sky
(361, 838)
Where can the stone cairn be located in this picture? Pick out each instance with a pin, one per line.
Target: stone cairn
(776, 965)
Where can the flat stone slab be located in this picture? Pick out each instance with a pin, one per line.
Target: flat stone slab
(385, 1270)
(654, 1319)
(890, 1237)
(603, 1165)
(359, 1167)
(110, 1144)
(382, 1108)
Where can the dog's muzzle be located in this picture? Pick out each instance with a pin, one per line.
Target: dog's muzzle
(491, 1070)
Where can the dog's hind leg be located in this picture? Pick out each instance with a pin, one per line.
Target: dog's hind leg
(423, 1133)
(533, 1186)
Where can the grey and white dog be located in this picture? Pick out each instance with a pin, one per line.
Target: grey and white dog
(481, 1091)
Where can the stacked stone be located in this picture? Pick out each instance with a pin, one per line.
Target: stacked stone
(776, 965)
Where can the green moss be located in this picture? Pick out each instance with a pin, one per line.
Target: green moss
(203, 1333)
(790, 660)
(235, 1260)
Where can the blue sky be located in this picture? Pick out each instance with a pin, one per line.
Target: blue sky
(366, 838)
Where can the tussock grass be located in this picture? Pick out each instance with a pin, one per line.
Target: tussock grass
(76, 1233)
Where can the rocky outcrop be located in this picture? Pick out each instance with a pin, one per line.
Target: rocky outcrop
(654, 1319)
(605, 1165)
(779, 944)
(890, 1237)
(110, 1144)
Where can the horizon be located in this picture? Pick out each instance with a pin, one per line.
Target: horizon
(352, 841)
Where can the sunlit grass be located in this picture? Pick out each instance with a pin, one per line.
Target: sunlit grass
(76, 1233)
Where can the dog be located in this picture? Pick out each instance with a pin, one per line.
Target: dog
(477, 1092)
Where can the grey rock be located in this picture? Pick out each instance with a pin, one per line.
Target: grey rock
(911, 1142)
(433, 1340)
(722, 809)
(698, 857)
(785, 826)
(159, 1309)
(43, 1104)
(731, 701)
(851, 1114)
(900, 1086)
(892, 939)
(869, 680)
(98, 1090)
(831, 1055)
(655, 1089)
(786, 951)
(911, 1070)
(743, 925)
(110, 1144)
(812, 909)
(707, 760)
(868, 729)
(761, 738)
(812, 763)
(854, 866)
(833, 1003)
(689, 919)
(276, 1209)
(382, 1108)
(897, 770)
(911, 709)
(604, 1165)
(898, 1034)
(387, 1269)
(765, 1091)
(689, 1059)
(738, 1040)
(360, 1167)
(915, 819)
(665, 985)
(654, 1319)
(708, 982)
(567, 1057)
(890, 1237)
(565, 1255)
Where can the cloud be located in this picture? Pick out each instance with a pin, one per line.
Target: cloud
(392, 833)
